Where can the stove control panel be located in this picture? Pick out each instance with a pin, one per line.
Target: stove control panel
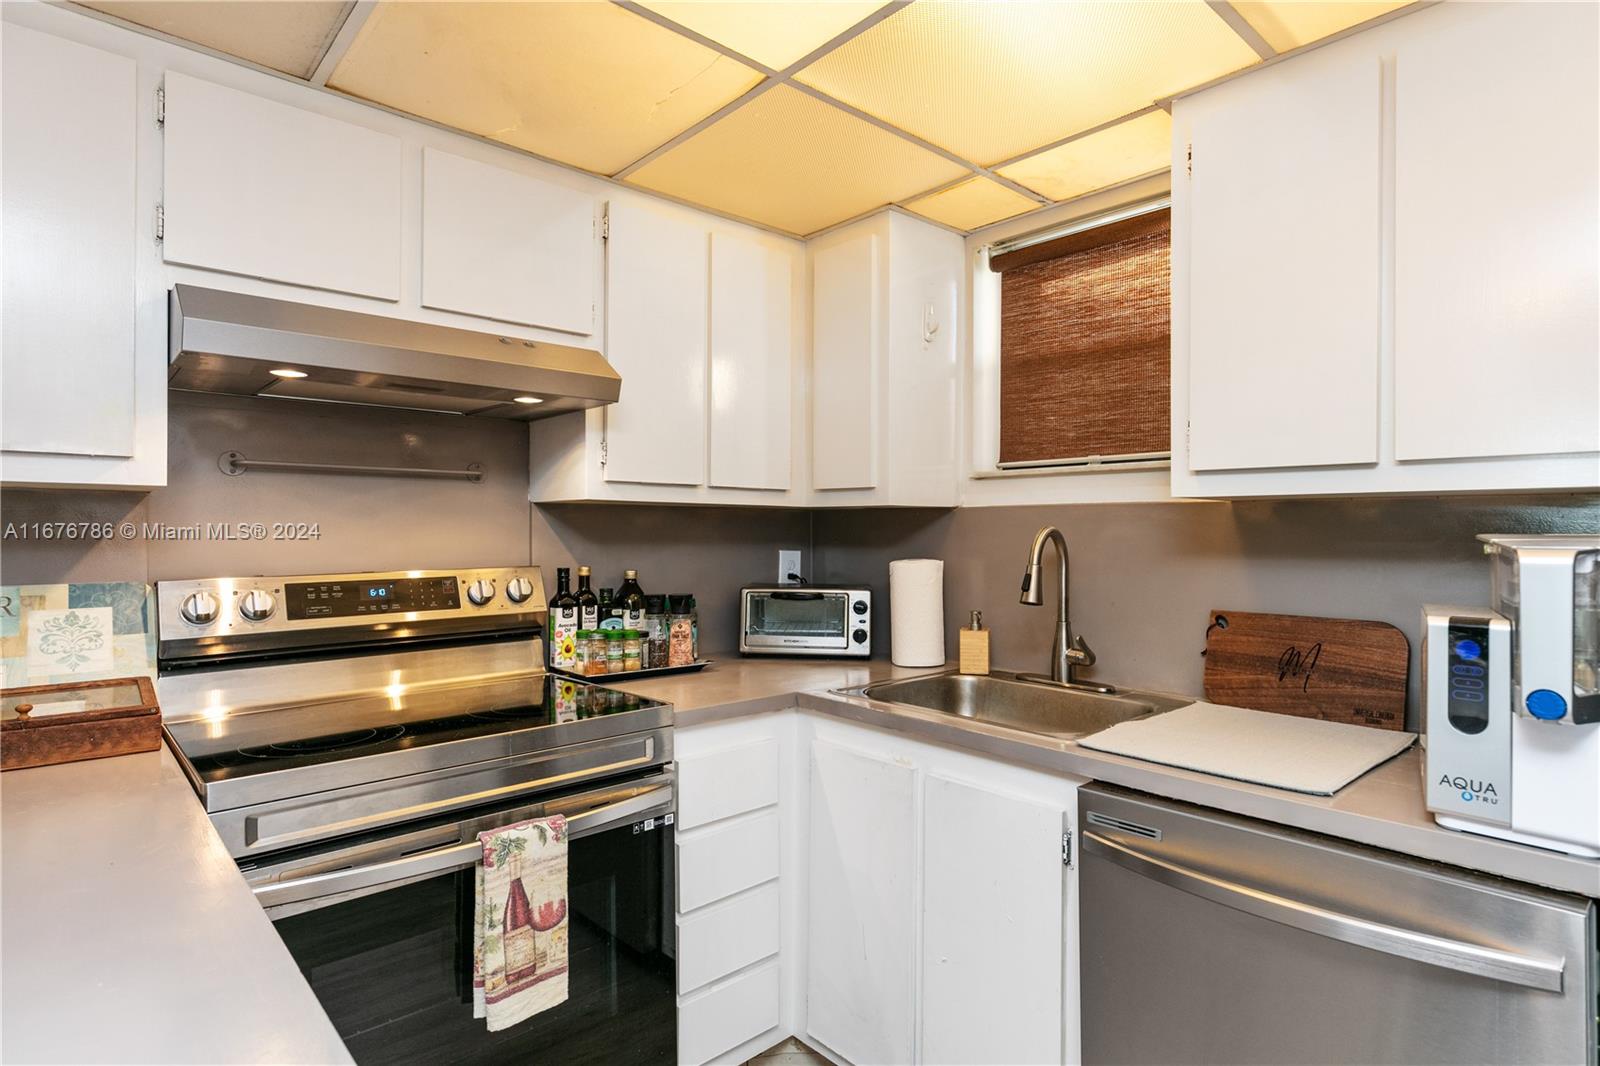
(207, 617)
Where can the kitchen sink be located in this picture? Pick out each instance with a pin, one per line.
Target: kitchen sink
(1031, 706)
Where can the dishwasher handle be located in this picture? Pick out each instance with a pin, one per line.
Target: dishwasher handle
(1529, 971)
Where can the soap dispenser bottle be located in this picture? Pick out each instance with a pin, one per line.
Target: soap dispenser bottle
(975, 646)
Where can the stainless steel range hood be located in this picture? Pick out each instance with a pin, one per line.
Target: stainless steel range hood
(231, 343)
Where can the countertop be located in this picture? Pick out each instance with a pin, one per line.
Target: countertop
(1384, 808)
(127, 933)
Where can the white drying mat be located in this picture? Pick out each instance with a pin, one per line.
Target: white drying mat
(1278, 750)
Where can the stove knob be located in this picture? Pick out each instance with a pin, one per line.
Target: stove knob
(257, 605)
(519, 589)
(480, 591)
(198, 609)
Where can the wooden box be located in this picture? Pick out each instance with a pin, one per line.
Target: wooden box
(115, 717)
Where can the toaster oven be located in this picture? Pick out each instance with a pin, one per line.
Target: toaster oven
(831, 620)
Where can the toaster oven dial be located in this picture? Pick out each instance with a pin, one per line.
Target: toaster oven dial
(257, 605)
(518, 589)
(480, 592)
(859, 636)
(859, 607)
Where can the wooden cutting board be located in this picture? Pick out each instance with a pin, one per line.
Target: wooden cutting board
(1336, 669)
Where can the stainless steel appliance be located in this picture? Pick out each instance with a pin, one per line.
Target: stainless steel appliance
(243, 345)
(1208, 938)
(830, 620)
(1513, 698)
(351, 734)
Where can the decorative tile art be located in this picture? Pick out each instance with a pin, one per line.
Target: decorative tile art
(55, 634)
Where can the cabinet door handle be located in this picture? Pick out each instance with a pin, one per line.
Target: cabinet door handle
(1529, 971)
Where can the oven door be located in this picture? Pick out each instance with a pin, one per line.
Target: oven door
(805, 620)
(382, 930)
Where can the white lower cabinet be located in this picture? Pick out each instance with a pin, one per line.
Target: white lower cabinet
(885, 899)
(734, 804)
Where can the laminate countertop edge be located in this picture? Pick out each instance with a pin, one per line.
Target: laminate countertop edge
(127, 933)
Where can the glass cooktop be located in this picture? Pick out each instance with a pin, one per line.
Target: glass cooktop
(262, 740)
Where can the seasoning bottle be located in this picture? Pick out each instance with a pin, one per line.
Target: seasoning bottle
(631, 650)
(655, 626)
(680, 631)
(630, 601)
(563, 644)
(588, 605)
(610, 613)
(975, 646)
(614, 654)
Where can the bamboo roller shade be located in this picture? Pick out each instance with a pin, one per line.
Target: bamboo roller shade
(1085, 343)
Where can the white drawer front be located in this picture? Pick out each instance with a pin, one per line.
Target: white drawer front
(724, 1017)
(723, 860)
(721, 939)
(731, 781)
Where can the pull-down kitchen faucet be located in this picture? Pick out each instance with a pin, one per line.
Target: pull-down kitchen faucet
(1069, 652)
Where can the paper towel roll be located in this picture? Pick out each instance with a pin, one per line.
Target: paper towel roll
(916, 612)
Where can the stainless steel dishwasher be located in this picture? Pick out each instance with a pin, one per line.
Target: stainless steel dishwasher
(1208, 938)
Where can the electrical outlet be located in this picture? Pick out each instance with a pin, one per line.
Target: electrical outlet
(789, 562)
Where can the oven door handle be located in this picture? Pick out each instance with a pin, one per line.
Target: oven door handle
(454, 857)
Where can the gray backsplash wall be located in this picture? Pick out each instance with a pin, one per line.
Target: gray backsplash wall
(707, 551)
(1145, 576)
(378, 523)
(364, 523)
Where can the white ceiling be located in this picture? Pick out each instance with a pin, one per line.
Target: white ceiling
(792, 114)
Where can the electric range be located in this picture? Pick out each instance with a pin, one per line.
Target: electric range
(350, 735)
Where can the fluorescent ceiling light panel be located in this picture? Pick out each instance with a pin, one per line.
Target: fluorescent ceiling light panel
(1285, 25)
(972, 204)
(775, 32)
(990, 81)
(285, 35)
(792, 162)
(1115, 154)
(588, 84)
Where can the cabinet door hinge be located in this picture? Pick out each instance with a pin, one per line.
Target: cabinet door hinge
(161, 105)
(1066, 847)
(161, 222)
(605, 451)
(605, 227)
(1188, 160)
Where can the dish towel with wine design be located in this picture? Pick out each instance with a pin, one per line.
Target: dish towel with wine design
(520, 943)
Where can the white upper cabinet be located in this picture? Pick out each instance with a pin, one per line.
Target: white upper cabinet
(258, 188)
(77, 409)
(1497, 220)
(1283, 290)
(657, 333)
(505, 245)
(885, 326)
(844, 363)
(69, 181)
(1384, 275)
(751, 363)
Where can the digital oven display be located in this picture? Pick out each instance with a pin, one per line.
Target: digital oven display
(345, 599)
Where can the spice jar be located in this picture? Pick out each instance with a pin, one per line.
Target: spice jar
(632, 650)
(594, 652)
(614, 657)
(680, 634)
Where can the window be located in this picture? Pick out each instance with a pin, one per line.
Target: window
(1085, 344)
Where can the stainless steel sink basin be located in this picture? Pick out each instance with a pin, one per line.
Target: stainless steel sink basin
(1030, 706)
